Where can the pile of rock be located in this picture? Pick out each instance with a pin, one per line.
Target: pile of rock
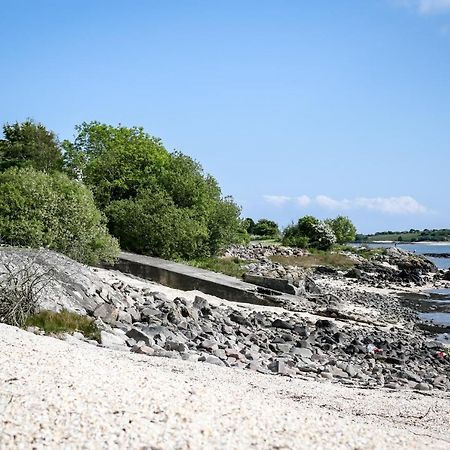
(256, 252)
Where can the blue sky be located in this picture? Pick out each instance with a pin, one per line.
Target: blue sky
(296, 107)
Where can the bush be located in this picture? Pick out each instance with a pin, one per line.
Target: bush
(343, 229)
(52, 211)
(158, 203)
(309, 232)
(30, 144)
(266, 228)
(20, 288)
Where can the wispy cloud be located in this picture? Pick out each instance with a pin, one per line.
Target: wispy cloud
(427, 6)
(303, 200)
(276, 200)
(387, 205)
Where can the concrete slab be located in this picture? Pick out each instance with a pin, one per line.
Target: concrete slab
(181, 276)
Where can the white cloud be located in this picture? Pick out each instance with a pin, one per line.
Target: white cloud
(426, 6)
(276, 200)
(392, 205)
(434, 6)
(388, 205)
(331, 203)
(303, 200)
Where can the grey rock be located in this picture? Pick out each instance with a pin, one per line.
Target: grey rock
(108, 313)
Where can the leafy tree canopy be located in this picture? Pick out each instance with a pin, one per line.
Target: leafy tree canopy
(266, 227)
(129, 171)
(309, 232)
(343, 229)
(52, 211)
(30, 144)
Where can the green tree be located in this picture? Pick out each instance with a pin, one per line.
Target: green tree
(266, 227)
(116, 162)
(127, 170)
(30, 144)
(343, 229)
(309, 232)
(52, 211)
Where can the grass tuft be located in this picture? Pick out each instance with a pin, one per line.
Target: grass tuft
(319, 258)
(228, 266)
(64, 322)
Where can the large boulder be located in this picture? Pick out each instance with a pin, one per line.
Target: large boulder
(60, 283)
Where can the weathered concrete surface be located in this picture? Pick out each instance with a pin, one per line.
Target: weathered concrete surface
(278, 284)
(180, 276)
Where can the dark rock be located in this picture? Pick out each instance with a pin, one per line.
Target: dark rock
(279, 323)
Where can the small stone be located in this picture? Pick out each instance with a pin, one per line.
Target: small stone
(143, 349)
(423, 387)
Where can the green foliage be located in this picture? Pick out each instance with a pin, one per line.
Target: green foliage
(64, 322)
(248, 224)
(309, 232)
(116, 162)
(30, 144)
(412, 235)
(317, 258)
(157, 203)
(52, 211)
(234, 267)
(266, 228)
(343, 229)
(152, 224)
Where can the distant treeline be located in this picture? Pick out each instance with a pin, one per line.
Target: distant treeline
(406, 236)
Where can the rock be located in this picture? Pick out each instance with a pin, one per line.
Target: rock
(124, 317)
(211, 359)
(202, 304)
(143, 349)
(175, 346)
(134, 313)
(284, 348)
(237, 317)
(209, 345)
(279, 323)
(108, 313)
(138, 335)
(326, 324)
(303, 352)
(446, 276)
(423, 387)
(354, 273)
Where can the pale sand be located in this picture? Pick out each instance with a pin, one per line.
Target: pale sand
(55, 394)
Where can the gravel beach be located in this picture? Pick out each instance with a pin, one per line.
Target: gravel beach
(69, 394)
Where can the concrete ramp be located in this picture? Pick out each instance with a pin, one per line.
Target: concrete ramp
(187, 278)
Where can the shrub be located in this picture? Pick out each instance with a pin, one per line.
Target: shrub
(158, 203)
(343, 229)
(20, 288)
(266, 228)
(309, 232)
(30, 144)
(52, 211)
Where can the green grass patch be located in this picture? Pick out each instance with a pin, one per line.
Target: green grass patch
(228, 266)
(64, 322)
(318, 258)
(365, 252)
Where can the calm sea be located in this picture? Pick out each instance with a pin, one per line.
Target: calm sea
(436, 307)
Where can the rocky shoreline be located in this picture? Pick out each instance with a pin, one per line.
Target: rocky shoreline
(343, 329)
